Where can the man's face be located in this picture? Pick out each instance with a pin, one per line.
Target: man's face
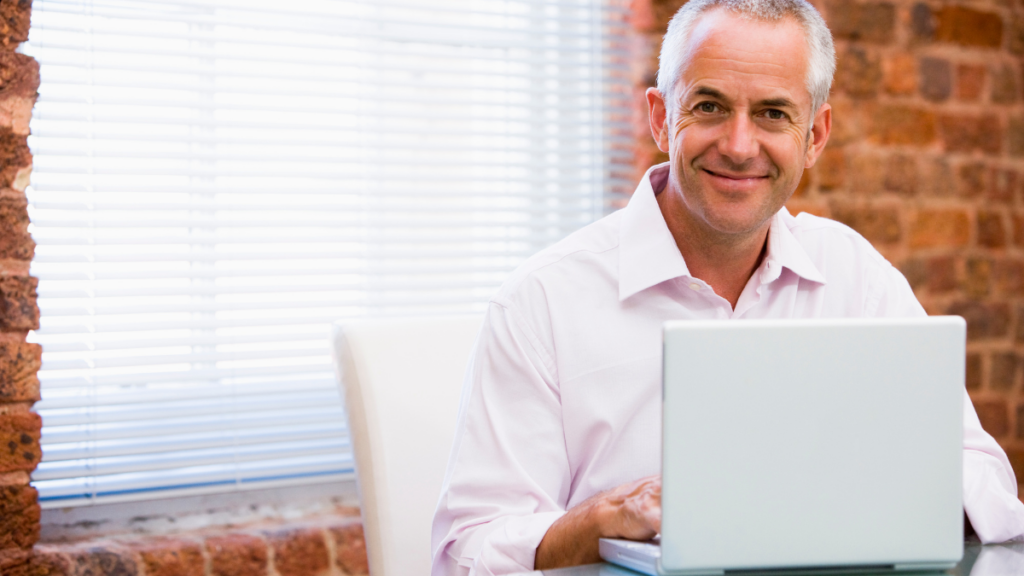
(739, 133)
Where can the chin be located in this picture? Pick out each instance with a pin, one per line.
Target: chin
(738, 221)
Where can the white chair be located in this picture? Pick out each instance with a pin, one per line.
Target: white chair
(402, 380)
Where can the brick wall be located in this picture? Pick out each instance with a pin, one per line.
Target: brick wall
(331, 545)
(926, 160)
(19, 361)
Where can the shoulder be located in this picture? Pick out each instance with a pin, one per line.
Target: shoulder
(851, 265)
(828, 240)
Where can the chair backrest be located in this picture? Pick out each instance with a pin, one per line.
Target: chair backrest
(402, 380)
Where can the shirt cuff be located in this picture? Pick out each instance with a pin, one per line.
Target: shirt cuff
(995, 513)
(512, 546)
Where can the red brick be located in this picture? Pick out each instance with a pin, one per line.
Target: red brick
(902, 125)
(299, 552)
(237, 555)
(973, 381)
(1016, 136)
(899, 74)
(978, 278)
(1005, 84)
(922, 21)
(936, 79)
(1016, 458)
(1003, 185)
(13, 560)
(1010, 277)
(937, 275)
(972, 180)
(1016, 43)
(991, 230)
(1018, 230)
(831, 169)
(103, 561)
(19, 441)
(858, 73)
(915, 270)
(35, 564)
(18, 309)
(940, 227)
(901, 174)
(968, 27)
(984, 319)
(847, 120)
(14, 150)
(350, 547)
(14, 21)
(941, 274)
(19, 363)
(937, 178)
(970, 80)
(19, 75)
(171, 558)
(866, 173)
(970, 133)
(15, 241)
(641, 15)
(878, 225)
(664, 10)
(1003, 374)
(994, 416)
(19, 517)
(867, 22)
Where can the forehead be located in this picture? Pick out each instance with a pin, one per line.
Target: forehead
(744, 55)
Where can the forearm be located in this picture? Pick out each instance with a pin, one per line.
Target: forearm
(631, 511)
(573, 539)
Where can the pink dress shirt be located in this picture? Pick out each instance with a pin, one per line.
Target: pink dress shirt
(563, 397)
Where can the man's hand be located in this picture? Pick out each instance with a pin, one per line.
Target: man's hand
(631, 511)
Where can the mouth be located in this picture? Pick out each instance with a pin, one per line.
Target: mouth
(736, 177)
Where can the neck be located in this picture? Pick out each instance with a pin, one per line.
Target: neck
(724, 260)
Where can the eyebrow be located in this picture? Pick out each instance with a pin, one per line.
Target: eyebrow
(773, 102)
(708, 91)
(778, 103)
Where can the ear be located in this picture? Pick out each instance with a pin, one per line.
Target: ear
(656, 110)
(819, 134)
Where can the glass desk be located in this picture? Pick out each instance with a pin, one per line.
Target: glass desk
(991, 560)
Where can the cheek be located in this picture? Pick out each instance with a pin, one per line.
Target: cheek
(680, 123)
(788, 149)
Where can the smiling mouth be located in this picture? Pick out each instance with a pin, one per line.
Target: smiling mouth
(736, 176)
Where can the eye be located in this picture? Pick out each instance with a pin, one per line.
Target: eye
(775, 114)
(707, 107)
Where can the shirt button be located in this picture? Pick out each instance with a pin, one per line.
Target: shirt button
(695, 287)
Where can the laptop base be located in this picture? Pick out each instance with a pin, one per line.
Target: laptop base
(644, 557)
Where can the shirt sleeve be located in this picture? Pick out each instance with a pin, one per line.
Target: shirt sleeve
(508, 472)
(989, 484)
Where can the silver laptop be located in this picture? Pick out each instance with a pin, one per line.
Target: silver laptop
(809, 445)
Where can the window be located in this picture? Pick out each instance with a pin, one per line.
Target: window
(215, 182)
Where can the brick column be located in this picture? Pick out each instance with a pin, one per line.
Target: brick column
(19, 361)
(926, 160)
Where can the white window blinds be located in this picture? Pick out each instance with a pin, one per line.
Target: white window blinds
(215, 182)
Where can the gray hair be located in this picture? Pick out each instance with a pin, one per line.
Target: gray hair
(821, 66)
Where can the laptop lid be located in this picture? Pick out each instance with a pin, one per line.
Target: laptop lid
(812, 443)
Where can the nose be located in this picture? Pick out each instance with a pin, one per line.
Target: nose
(739, 142)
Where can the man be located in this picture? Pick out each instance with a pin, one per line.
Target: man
(559, 433)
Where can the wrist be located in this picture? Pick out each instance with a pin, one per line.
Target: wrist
(603, 518)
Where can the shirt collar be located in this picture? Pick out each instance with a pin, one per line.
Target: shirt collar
(648, 254)
(784, 251)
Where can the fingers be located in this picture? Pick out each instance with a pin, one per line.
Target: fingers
(639, 509)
